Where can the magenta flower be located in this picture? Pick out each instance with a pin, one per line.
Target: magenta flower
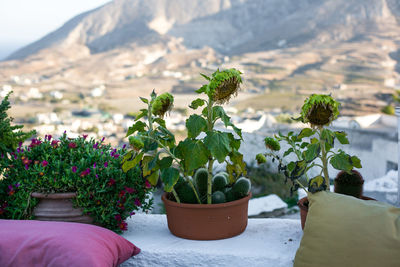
(84, 136)
(102, 139)
(116, 156)
(124, 146)
(35, 142)
(74, 168)
(105, 164)
(132, 213)
(123, 226)
(26, 166)
(147, 184)
(97, 176)
(94, 165)
(85, 172)
(44, 163)
(95, 146)
(54, 143)
(111, 182)
(130, 190)
(118, 217)
(137, 202)
(47, 137)
(72, 145)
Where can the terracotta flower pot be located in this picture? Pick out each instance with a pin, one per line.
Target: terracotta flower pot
(303, 205)
(206, 222)
(58, 207)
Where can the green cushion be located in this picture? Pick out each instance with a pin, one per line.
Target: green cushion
(345, 231)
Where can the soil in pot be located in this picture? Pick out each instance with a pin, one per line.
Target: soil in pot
(206, 221)
(58, 207)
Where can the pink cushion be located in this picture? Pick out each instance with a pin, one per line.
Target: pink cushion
(39, 243)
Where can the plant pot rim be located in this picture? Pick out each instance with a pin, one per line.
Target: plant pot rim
(53, 195)
(205, 206)
(301, 202)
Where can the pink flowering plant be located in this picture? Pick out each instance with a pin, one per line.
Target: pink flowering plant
(88, 167)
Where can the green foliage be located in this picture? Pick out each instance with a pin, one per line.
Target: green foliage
(219, 182)
(162, 104)
(389, 109)
(241, 188)
(201, 179)
(10, 135)
(313, 147)
(172, 161)
(90, 168)
(272, 144)
(218, 197)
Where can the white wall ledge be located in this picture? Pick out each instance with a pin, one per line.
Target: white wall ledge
(265, 242)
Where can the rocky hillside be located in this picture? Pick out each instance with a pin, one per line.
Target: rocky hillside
(296, 46)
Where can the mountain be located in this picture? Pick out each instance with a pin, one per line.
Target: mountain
(293, 45)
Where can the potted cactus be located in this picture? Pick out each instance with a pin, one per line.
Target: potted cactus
(200, 203)
(311, 149)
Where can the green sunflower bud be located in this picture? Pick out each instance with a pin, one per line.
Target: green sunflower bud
(260, 158)
(319, 110)
(136, 142)
(224, 84)
(272, 144)
(162, 104)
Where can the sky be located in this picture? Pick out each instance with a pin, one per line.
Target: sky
(25, 21)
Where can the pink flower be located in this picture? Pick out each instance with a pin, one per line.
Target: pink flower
(44, 163)
(72, 145)
(123, 226)
(121, 193)
(148, 185)
(111, 182)
(74, 168)
(54, 143)
(130, 190)
(85, 172)
(137, 202)
(116, 156)
(35, 142)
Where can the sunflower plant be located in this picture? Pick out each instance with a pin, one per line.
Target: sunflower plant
(312, 147)
(155, 149)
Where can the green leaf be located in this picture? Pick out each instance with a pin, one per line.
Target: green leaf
(145, 165)
(205, 77)
(142, 114)
(202, 89)
(328, 136)
(160, 121)
(165, 162)
(342, 161)
(144, 100)
(170, 177)
(153, 178)
(356, 162)
(218, 144)
(195, 125)
(316, 184)
(287, 152)
(219, 113)
(193, 153)
(197, 103)
(149, 144)
(312, 152)
(234, 143)
(342, 137)
(299, 169)
(129, 164)
(306, 132)
(137, 126)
